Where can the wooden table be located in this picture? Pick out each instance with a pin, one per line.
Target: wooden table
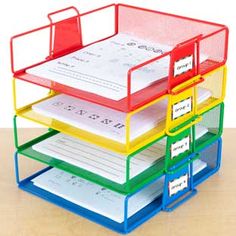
(211, 212)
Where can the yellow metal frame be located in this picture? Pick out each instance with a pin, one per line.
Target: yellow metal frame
(124, 149)
(197, 110)
(219, 100)
(136, 144)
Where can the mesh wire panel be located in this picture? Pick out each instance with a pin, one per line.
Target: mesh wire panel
(212, 120)
(209, 155)
(159, 27)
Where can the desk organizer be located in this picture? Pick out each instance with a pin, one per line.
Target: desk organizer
(185, 104)
(161, 154)
(196, 47)
(174, 188)
(140, 125)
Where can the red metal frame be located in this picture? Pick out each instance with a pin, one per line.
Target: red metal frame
(72, 41)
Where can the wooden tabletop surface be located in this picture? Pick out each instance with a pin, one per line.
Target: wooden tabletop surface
(211, 212)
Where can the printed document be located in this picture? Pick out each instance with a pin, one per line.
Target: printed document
(104, 121)
(100, 161)
(101, 68)
(101, 120)
(94, 197)
(99, 199)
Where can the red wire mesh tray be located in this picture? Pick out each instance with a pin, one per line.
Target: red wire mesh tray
(192, 47)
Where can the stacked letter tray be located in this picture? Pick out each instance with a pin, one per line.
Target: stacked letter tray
(134, 111)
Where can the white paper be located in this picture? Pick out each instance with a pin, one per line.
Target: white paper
(101, 161)
(203, 95)
(95, 197)
(198, 165)
(102, 68)
(98, 160)
(101, 120)
(200, 131)
(100, 199)
(104, 121)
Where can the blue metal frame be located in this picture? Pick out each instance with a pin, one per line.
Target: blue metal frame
(206, 173)
(163, 202)
(127, 226)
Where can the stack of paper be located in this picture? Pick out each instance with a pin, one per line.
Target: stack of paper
(98, 199)
(203, 95)
(95, 197)
(102, 68)
(104, 121)
(98, 160)
(198, 165)
(101, 161)
(101, 120)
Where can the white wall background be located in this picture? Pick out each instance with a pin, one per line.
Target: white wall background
(17, 16)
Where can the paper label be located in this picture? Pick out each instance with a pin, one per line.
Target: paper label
(183, 65)
(178, 185)
(181, 108)
(180, 147)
